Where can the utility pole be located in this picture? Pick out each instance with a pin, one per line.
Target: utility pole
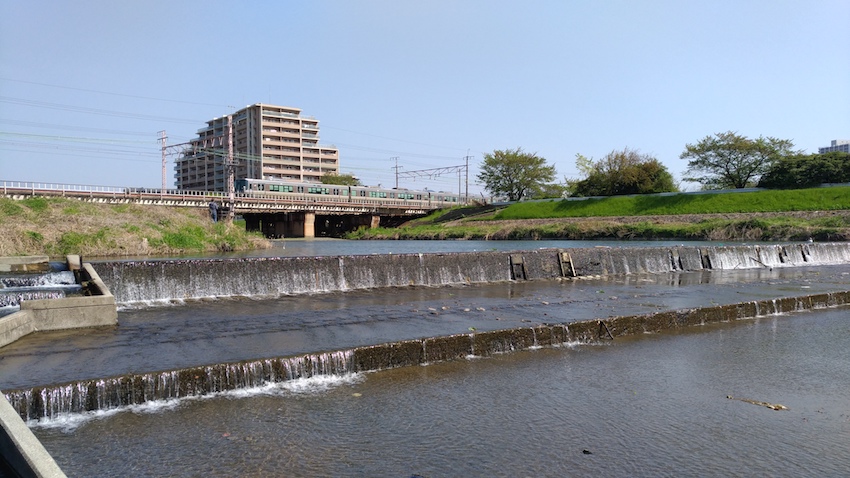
(466, 175)
(162, 138)
(396, 170)
(231, 193)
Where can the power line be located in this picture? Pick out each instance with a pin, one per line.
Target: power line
(95, 111)
(35, 124)
(111, 93)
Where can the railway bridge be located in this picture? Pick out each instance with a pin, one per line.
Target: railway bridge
(301, 215)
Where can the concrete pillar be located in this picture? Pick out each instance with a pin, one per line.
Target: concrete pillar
(252, 222)
(309, 224)
(376, 221)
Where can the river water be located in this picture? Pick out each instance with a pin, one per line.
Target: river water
(652, 405)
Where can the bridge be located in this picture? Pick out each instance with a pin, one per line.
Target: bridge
(297, 215)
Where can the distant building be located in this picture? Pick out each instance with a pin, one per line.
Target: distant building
(836, 146)
(269, 142)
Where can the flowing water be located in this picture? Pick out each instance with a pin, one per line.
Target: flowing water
(646, 405)
(32, 286)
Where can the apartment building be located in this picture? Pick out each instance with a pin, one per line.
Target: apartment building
(836, 146)
(268, 141)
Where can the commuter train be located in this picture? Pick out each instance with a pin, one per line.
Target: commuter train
(365, 195)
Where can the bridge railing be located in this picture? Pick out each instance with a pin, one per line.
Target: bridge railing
(243, 200)
(82, 190)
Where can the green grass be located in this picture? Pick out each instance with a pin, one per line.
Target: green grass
(36, 204)
(9, 207)
(70, 242)
(816, 199)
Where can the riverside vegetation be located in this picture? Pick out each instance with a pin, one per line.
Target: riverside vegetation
(821, 214)
(58, 226)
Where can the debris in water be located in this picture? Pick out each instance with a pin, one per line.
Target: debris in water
(587, 452)
(772, 406)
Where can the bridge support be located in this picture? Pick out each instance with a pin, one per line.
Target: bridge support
(308, 224)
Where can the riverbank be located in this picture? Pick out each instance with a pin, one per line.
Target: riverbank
(820, 214)
(56, 227)
(790, 226)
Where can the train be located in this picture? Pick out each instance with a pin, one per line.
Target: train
(362, 195)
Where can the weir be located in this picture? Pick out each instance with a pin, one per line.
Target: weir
(165, 280)
(107, 393)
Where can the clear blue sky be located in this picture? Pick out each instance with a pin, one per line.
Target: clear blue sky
(86, 85)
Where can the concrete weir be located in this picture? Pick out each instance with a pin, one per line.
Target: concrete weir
(113, 392)
(164, 280)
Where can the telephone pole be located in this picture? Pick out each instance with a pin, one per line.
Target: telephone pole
(231, 192)
(466, 174)
(163, 138)
(396, 167)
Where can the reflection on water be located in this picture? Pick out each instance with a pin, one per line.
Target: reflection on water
(643, 406)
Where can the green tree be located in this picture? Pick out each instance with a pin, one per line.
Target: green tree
(804, 171)
(622, 172)
(340, 179)
(515, 173)
(729, 160)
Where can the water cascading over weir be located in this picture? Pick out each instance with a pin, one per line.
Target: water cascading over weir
(188, 279)
(165, 280)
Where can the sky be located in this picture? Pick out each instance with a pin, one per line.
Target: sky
(87, 86)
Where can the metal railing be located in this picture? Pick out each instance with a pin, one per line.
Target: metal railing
(252, 200)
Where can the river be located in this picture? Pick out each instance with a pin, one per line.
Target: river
(650, 405)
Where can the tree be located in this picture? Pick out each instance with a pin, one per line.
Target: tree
(341, 179)
(804, 171)
(622, 172)
(729, 160)
(515, 173)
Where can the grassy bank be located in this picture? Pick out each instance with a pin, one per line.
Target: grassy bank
(815, 199)
(822, 214)
(56, 226)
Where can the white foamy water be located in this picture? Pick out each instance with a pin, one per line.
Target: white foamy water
(69, 422)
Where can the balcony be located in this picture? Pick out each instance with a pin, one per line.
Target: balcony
(279, 114)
